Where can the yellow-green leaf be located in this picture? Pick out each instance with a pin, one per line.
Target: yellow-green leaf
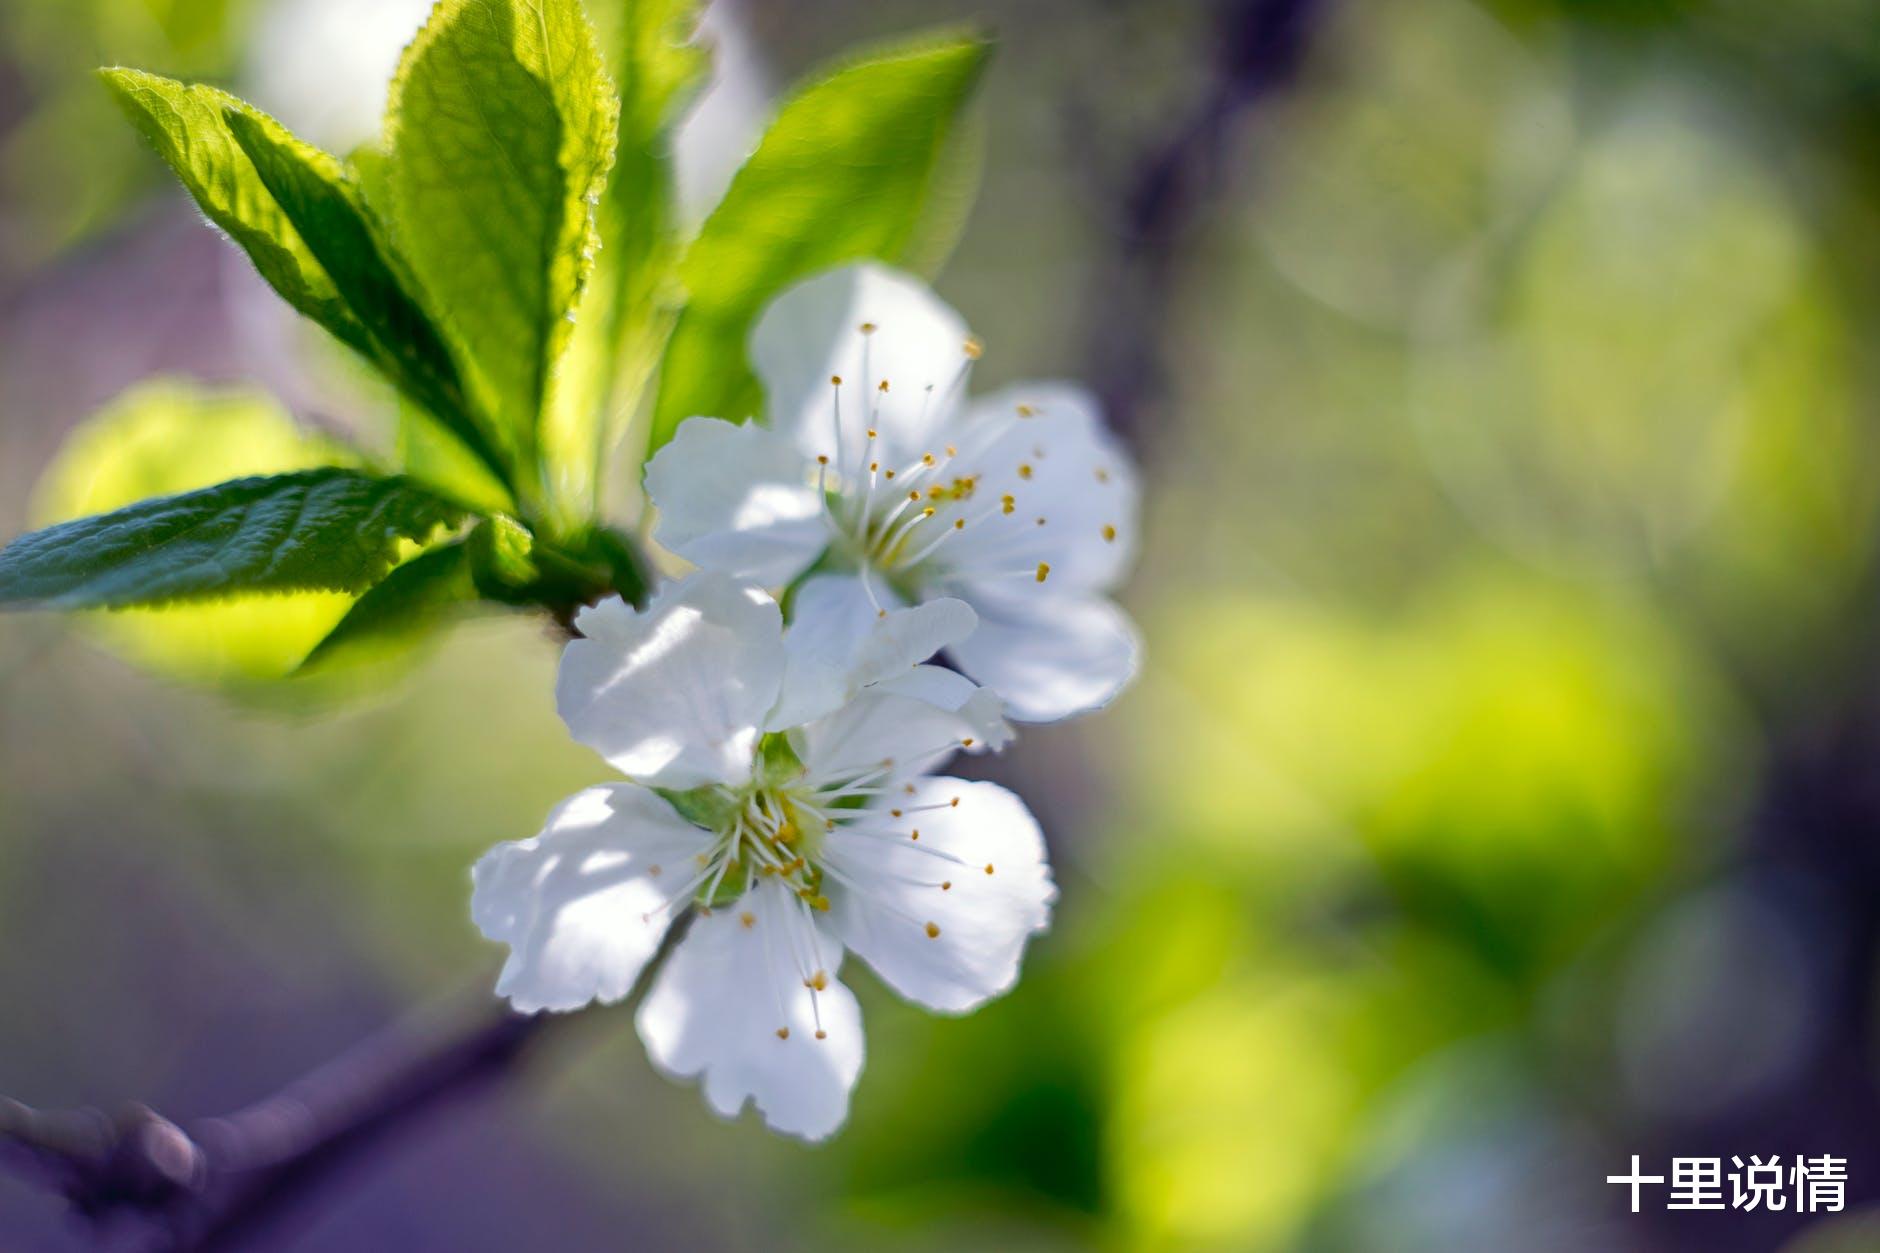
(846, 171)
(500, 134)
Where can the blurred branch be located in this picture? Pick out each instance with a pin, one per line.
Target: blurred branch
(209, 1186)
(1257, 50)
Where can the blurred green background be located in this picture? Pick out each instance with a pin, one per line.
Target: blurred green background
(1502, 794)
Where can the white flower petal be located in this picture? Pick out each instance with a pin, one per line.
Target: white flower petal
(813, 332)
(577, 903)
(945, 931)
(733, 1004)
(737, 499)
(1059, 464)
(674, 696)
(887, 725)
(839, 643)
(1050, 656)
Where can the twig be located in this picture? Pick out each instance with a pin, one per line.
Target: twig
(222, 1179)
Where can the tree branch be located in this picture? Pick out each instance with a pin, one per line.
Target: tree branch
(208, 1186)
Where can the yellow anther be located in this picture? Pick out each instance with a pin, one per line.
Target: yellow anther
(1026, 411)
(787, 833)
(1024, 471)
(894, 813)
(888, 474)
(926, 458)
(1044, 568)
(873, 466)
(836, 379)
(928, 512)
(821, 460)
(783, 1033)
(748, 918)
(967, 742)
(868, 328)
(820, 903)
(988, 867)
(913, 495)
(946, 885)
(933, 930)
(821, 1034)
(1040, 521)
(959, 524)
(872, 432)
(1109, 533)
(1007, 504)
(884, 385)
(702, 859)
(1103, 476)
(955, 802)
(952, 451)
(914, 834)
(973, 347)
(818, 981)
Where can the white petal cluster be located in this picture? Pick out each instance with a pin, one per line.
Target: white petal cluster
(873, 465)
(781, 781)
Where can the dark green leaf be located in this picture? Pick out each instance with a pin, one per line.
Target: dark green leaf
(846, 171)
(397, 615)
(315, 530)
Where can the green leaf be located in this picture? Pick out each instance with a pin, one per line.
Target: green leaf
(392, 620)
(168, 436)
(847, 170)
(630, 306)
(301, 219)
(323, 203)
(185, 124)
(500, 134)
(328, 529)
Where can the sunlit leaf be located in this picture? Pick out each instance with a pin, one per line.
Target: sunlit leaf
(629, 308)
(301, 219)
(319, 197)
(185, 124)
(845, 171)
(500, 134)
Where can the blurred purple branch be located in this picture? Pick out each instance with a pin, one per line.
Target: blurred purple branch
(203, 1187)
(1258, 48)
(211, 1184)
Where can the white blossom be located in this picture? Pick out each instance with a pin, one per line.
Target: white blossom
(782, 783)
(875, 470)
